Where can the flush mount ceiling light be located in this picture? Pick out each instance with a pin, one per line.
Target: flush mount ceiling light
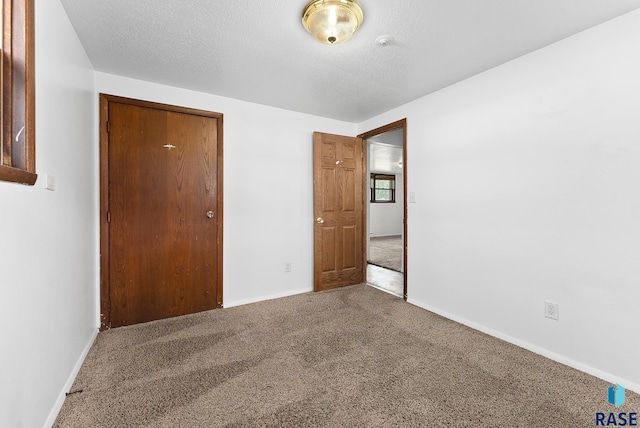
(332, 21)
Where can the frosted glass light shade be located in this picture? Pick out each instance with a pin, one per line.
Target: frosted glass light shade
(332, 21)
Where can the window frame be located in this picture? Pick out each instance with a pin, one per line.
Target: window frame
(17, 146)
(372, 184)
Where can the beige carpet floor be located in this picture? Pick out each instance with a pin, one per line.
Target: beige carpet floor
(386, 252)
(353, 357)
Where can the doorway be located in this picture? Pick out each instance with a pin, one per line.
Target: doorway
(386, 212)
(161, 211)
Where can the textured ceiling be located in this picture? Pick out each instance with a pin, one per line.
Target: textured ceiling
(258, 51)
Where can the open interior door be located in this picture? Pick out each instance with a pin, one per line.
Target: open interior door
(338, 211)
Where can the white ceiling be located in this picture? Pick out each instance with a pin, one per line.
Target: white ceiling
(258, 51)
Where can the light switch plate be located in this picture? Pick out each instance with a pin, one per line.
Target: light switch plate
(50, 182)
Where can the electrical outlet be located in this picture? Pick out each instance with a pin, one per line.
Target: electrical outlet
(551, 309)
(287, 267)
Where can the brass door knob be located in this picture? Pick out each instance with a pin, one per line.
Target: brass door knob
(320, 220)
(210, 214)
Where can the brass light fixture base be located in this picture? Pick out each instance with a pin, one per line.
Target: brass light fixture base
(332, 21)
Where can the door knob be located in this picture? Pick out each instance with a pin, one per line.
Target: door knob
(320, 220)
(209, 214)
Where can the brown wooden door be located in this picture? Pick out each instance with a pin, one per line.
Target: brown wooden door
(163, 227)
(338, 211)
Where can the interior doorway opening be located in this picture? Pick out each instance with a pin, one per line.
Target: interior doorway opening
(386, 212)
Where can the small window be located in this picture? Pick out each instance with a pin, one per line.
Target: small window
(383, 188)
(17, 145)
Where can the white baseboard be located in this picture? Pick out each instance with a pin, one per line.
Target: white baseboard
(632, 386)
(67, 386)
(267, 297)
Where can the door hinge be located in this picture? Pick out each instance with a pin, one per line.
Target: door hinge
(108, 216)
(108, 127)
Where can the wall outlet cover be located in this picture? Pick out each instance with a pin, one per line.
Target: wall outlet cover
(551, 310)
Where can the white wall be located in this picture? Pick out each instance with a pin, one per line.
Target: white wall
(386, 219)
(267, 222)
(48, 250)
(526, 180)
